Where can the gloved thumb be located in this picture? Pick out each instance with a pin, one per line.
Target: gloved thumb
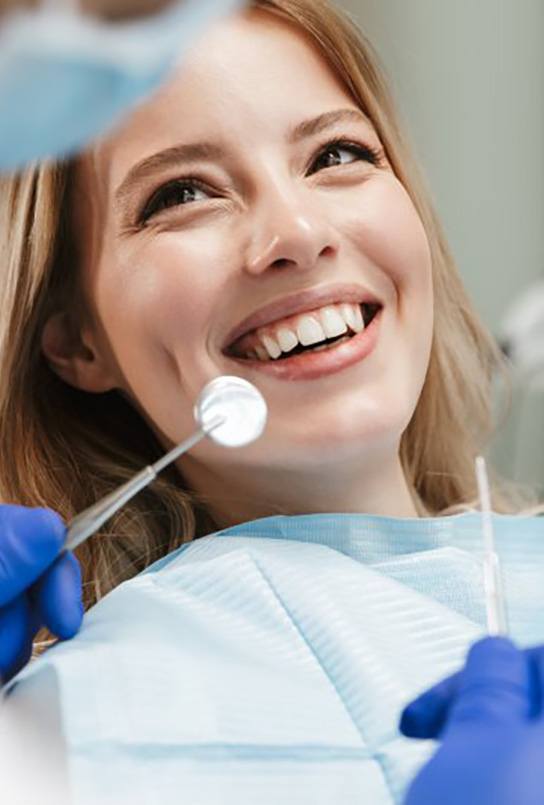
(58, 596)
(425, 716)
(494, 687)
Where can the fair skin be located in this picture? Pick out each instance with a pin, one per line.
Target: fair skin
(270, 216)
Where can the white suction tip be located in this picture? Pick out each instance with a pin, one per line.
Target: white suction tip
(240, 403)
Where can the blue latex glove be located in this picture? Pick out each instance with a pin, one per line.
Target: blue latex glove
(37, 586)
(490, 719)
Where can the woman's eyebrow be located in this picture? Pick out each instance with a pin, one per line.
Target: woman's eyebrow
(192, 152)
(148, 166)
(308, 128)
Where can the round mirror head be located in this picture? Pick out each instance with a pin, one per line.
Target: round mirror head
(242, 406)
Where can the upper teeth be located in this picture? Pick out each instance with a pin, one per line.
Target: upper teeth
(306, 329)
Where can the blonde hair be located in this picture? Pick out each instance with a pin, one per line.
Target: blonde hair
(64, 449)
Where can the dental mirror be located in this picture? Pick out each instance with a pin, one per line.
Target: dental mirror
(230, 410)
(240, 403)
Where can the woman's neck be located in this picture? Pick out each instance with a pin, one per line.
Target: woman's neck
(243, 494)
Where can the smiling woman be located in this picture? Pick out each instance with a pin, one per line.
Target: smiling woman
(231, 226)
(259, 216)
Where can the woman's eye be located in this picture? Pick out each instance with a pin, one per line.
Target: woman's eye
(173, 194)
(337, 154)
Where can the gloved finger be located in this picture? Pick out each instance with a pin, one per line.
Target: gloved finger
(425, 716)
(17, 628)
(536, 662)
(20, 660)
(30, 539)
(58, 596)
(494, 688)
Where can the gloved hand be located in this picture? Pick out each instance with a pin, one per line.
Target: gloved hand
(490, 719)
(37, 586)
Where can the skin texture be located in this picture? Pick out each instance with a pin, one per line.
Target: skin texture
(163, 298)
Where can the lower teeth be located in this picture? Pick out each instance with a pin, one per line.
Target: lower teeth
(321, 347)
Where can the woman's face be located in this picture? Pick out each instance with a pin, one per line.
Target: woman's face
(251, 186)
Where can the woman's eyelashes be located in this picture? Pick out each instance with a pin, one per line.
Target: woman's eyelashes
(177, 192)
(330, 155)
(335, 153)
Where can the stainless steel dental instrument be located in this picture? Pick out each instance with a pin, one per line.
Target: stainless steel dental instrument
(493, 586)
(229, 410)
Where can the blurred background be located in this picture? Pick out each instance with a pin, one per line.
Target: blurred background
(468, 78)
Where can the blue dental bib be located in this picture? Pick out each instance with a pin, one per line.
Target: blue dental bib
(269, 663)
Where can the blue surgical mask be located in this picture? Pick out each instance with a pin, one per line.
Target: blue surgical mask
(66, 77)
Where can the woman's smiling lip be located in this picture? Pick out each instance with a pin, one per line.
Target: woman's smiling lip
(309, 299)
(313, 365)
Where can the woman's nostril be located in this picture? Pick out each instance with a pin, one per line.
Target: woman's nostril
(327, 251)
(281, 262)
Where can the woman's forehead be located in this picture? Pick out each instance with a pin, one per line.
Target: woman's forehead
(249, 77)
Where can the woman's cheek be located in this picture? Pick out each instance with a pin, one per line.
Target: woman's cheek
(166, 282)
(387, 230)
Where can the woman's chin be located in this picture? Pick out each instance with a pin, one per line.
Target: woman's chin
(316, 449)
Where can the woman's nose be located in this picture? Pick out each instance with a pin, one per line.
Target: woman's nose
(290, 234)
